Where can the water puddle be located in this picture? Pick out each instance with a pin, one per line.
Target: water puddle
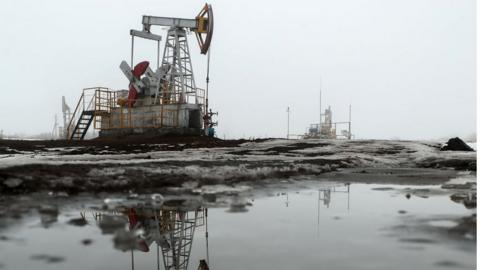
(329, 226)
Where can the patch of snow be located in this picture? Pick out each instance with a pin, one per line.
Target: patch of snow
(462, 179)
(443, 223)
(472, 145)
(214, 189)
(106, 171)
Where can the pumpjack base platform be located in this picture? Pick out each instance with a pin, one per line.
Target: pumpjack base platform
(150, 132)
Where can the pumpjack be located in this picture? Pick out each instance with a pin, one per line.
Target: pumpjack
(161, 100)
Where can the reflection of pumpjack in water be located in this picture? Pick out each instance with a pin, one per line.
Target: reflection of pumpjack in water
(171, 229)
(173, 232)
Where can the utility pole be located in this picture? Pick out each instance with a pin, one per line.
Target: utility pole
(320, 107)
(320, 119)
(350, 121)
(288, 122)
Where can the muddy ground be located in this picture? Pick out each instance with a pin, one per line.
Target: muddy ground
(95, 146)
(158, 164)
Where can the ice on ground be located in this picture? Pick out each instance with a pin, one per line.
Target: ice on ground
(246, 162)
(367, 153)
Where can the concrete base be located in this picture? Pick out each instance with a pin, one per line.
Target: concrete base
(153, 121)
(170, 115)
(150, 132)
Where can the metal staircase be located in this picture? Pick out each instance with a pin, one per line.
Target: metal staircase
(82, 125)
(93, 103)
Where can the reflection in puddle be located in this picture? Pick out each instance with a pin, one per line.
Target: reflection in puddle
(325, 193)
(335, 226)
(169, 230)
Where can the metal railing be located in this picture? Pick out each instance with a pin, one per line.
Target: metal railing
(105, 102)
(87, 102)
(189, 97)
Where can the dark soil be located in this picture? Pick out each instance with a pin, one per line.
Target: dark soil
(240, 164)
(118, 146)
(277, 150)
(76, 178)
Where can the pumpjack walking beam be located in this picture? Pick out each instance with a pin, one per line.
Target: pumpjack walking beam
(202, 25)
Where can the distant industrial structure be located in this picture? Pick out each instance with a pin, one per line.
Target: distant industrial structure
(164, 101)
(327, 128)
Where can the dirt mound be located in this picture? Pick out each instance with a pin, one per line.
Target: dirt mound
(456, 144)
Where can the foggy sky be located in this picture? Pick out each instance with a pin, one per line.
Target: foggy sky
(406, 66)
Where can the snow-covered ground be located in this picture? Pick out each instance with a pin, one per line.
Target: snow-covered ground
(371, 153)
(251, 161)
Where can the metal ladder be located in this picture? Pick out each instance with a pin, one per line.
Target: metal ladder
(82, 125)
(83, 115)
(94, 103)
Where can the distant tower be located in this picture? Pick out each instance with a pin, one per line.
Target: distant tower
(67, 115)
(55, 133)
